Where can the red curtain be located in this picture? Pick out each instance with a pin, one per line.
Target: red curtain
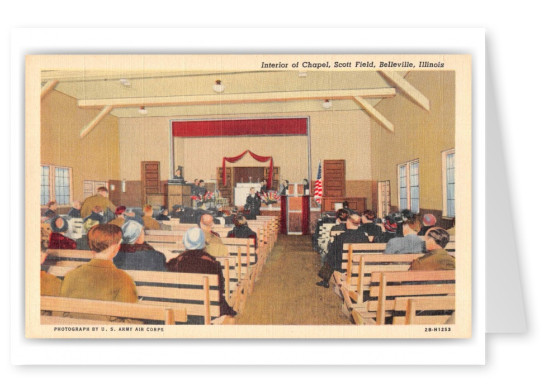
(256, 157)
(241, 127)
(305, 215)
(283, 216)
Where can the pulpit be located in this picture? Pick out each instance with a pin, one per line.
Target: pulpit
(295, 214)
(179, 193)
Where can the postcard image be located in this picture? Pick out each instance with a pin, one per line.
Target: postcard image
(248, 196)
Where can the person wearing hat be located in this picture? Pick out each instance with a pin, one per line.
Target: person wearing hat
(390, 227)
(428, 222)
(120, 216)
(57, 239)
(135, 253)
(196, 260)
(242, 230)
(410, 243)
(163, 214)
(436, 258)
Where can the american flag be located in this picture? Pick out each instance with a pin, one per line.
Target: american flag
(318, 191)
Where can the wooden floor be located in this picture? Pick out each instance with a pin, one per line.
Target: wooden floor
(287, 294)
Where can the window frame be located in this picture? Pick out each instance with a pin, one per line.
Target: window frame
(51, 182)
(408, 165)
(445, 184)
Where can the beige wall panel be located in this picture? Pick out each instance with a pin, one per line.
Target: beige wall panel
(144, 139)
(95, 157)
(334, 135)
(418, 135)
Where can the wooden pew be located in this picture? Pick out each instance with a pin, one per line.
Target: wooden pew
(386, 287)
(196, 293)
(131, 311)
(432, 310)
(358, 269)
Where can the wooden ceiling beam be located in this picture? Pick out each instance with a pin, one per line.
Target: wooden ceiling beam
(47, 88)
(261, 97)
(406, 88)
(374, 113)
(101, 115)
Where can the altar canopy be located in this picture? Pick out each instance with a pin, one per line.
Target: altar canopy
(256, 157)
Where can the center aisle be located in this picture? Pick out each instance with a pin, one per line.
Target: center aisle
(287, 294)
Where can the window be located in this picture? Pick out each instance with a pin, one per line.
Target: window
(408, 185)
(448, 183)
(55, 184)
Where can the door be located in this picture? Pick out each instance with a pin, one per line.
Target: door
(151, 179)
(383, 198)
(334, 178)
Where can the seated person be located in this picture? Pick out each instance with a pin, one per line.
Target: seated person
(410, 243)
(148, 221)
(96, 215)
(242, 229)
(51, 211)
(120, 216)
(370, 228)
(135, 253)
(75, 210)
(214, 245)
(342, 217)
(390, 229)
(196, 260)
(334, 255)
(428, 222)
(436, 258)
(177, 212)
(99, 279)
(50, 285)
(163, 214)
(264, 186)
(200, 190)
(57, 239)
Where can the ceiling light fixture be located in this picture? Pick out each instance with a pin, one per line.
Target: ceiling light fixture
(142, 110)
(218, 86)
(125, 82)
(327, 104)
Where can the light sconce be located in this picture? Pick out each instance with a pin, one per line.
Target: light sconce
(142, 110)
(327, 104)
(218, 86)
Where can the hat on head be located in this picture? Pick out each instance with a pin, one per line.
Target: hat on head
(131, 231)
(429, 220)
(390, 225)
(120, 210)
(194, 239)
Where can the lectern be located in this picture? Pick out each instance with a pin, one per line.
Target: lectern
(179, 193)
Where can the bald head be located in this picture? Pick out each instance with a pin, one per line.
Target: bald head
(206, 223)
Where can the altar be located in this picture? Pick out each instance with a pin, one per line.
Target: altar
(242, 190)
